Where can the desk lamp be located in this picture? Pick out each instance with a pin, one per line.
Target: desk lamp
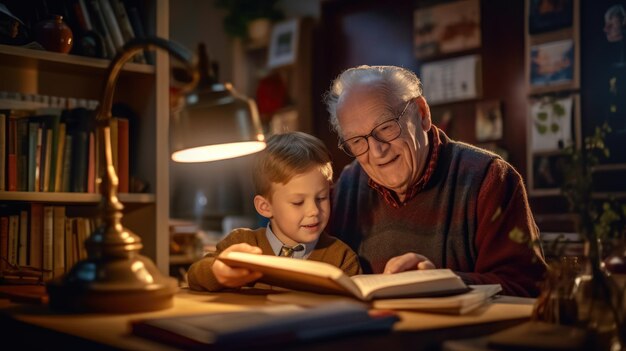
(115, 278)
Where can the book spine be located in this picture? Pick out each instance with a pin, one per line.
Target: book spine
(14, 221)
(59, 240)
(12, 156)
(38, 158)
(4, 242)
(66, 175)
(58, 176)
(48, 235)
(23, 155)
(32, 149)
(112, 25)
(23, 240)
(99, 24)
(80, 8)
(47, 161)
(69, 244)
(91, 165)
(36, 235)
(3, 151)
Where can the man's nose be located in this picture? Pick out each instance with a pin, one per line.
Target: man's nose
(376, 147)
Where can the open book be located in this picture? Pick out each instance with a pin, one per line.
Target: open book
(478, 296)
(325, 278)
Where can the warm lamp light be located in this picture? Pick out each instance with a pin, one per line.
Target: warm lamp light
(115, 278)
(216, 113)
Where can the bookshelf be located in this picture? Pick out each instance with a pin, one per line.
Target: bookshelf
(145, 89)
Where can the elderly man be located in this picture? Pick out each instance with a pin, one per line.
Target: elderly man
(415, 199)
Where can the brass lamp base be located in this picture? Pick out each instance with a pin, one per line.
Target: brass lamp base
(125, 285)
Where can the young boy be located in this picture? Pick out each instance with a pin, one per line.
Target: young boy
(292, 178)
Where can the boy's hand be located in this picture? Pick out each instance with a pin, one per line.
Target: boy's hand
(236, 277)
(407, 262)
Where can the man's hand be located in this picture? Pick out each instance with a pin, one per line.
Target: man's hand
(236, 277)
(407, 262)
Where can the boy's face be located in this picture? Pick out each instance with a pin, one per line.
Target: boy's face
(299, 209)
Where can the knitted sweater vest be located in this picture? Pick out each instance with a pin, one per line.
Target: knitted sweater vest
(439, 222)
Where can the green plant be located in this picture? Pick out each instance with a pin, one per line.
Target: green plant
(242, 12)
(598, 220)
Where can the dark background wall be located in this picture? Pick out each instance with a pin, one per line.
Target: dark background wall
(381, 33)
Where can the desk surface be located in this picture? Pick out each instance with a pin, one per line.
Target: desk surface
(415, 330)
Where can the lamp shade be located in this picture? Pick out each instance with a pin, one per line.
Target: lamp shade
(214, 124)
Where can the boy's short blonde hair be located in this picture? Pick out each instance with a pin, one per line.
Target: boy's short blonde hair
(286, 156)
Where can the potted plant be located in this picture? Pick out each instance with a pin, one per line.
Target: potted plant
(249, 19)
(598, 301)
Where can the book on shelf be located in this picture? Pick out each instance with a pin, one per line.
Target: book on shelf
(322, 277)
(262, 327)
(3, 151)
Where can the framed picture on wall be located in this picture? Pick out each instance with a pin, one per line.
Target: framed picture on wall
(488, 121)
(446, 28)
(451, 80)
(553, 65)
(283, 47)
(553, 124)
(549, 15)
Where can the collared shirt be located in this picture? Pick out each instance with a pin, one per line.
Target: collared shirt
(390, 196)
(277, 245)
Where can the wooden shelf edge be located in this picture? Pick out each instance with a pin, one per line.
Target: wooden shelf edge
(20, 54)
(70, 197)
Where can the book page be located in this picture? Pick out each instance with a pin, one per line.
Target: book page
(421, 281)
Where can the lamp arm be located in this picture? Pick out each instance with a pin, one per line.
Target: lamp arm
(129, 50)
(122, 243)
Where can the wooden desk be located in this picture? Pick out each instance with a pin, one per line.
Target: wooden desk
(31, 326)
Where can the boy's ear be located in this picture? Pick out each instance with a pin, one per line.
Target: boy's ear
(263, 206)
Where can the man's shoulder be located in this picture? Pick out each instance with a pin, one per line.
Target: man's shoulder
(472, 151)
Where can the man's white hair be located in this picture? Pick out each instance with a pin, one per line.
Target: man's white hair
(397, 81)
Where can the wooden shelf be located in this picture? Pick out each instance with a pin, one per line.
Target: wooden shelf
(76, 198)
(38, 59)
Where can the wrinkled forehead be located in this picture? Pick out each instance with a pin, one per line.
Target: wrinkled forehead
(363, 108)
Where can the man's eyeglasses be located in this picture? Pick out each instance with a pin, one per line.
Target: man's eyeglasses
(385, 132)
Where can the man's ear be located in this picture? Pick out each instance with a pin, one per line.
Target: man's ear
(263, 206)
(424, 112)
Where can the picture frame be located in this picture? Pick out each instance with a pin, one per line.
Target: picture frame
(545, 142)
(452, 80)
(552, 51)
(545, 16)
(553, 65)
(488, 125)
(446, 28)
(283, 47)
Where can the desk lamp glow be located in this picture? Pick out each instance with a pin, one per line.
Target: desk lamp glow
(115, 278)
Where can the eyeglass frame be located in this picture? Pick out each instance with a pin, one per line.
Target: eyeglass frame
(345, 149)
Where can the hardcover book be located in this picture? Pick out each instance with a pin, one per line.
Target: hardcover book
(325, 278)
(262, 327)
